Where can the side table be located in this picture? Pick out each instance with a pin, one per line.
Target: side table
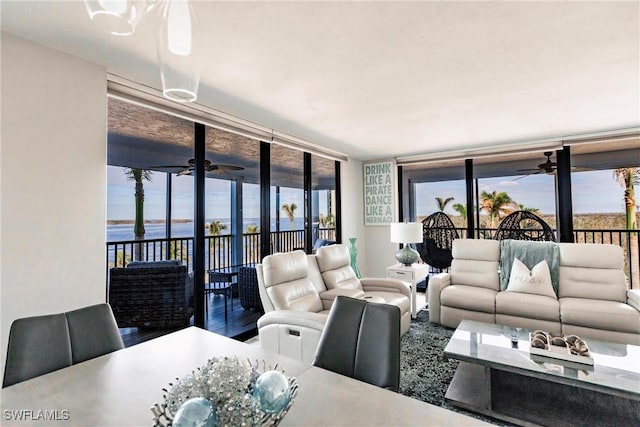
(411, 274)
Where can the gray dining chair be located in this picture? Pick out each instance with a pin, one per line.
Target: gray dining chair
(361, 340)
(37, 345)
(93, 331)
(42, 344)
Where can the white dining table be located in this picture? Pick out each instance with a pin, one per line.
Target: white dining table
(118, 389)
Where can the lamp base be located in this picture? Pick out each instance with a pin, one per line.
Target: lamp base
(407, 256)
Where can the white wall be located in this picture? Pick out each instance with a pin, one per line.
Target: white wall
(52, 182)
(375, 251)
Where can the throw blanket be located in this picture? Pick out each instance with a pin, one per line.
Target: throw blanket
(530, 253)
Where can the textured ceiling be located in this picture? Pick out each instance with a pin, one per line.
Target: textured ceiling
(383, 79)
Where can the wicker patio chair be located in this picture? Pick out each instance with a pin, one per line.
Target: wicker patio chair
(248, 289)
(152, 295)
(438, 234)
(524, 225)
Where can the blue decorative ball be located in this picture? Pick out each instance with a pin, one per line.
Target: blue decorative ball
(196, 412)
(272, 392)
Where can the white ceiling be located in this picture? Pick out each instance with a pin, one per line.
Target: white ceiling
(382, 79)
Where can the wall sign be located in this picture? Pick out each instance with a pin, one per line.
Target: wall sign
(379, 193)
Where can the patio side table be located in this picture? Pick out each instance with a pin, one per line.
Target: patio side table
(221, 280)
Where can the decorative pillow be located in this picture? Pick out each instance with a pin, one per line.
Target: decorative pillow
(535, 281)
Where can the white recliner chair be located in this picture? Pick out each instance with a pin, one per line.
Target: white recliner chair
(294, 315)
(298, 290)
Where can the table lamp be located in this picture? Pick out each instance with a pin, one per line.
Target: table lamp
(405, 233)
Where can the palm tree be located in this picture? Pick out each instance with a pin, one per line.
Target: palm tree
(497, 205)
(253, 229)
(522, 207)
(290, 210)
(442, 203)
(627, 178)
(139, 176)
(461, 209)
(216, 227)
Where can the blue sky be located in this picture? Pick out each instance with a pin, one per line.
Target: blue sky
(593, 192)
(121, 201)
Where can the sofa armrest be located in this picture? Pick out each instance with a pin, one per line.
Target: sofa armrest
(370, 284)
(329, 296)
(305, 319)
(633, 298)
(436, 284)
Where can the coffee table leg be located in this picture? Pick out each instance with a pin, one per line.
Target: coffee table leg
(487, 384)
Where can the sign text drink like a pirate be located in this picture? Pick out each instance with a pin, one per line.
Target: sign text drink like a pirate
(378, 193)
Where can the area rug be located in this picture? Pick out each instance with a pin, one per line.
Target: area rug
(425, 373)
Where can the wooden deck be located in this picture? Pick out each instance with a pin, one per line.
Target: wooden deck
(240, 324)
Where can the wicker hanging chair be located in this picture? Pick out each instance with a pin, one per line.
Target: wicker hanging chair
(438, 233)
(524, 225)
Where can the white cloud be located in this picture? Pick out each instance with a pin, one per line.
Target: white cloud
(508, 183)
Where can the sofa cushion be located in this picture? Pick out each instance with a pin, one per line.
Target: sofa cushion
(528, 305)
(476, 249)
(530, 253)
(469, 298)
(284, 267)
(155, 264)
(287, 284)
(535, 281)
(592, 271)
(334, 263)
(482, 274)
(295, 295)
(599, 314)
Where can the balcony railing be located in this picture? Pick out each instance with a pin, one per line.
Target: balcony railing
(218, 249)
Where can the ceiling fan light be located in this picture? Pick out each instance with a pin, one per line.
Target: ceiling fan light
(118, 17)
(179, 30)
(179, 70)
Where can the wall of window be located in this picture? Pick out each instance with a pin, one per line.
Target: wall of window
(323, 199)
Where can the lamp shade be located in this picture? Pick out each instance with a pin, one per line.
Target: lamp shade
(177, 56)
(406, 232)
(118, 17)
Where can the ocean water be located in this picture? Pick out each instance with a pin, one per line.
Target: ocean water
(122, 232)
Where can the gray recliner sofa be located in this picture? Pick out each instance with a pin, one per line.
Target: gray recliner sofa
(592, 300)
(297, 291)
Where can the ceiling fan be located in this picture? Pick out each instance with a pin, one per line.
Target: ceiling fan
(547, 167)
(208, 167)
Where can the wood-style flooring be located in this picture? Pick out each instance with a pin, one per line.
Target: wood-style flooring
(240, 324)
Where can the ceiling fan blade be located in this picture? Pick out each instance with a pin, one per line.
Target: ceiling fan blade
(171, 166)
(186, 171)
(228, 168)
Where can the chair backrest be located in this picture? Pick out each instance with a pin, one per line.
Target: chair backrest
(37, 345)
(334, 263)
(362, 340)
(438, 234)
(93, 331)
(524, 225)
(42, 344)
(592, 270)
(475, 263)
(151, 294)
(284, 283)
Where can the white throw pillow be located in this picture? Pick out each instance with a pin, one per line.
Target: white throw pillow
(535, 281)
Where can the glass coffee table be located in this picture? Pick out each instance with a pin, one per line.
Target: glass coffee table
(498, 377)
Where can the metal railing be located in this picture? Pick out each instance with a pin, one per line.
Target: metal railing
(218, 249)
